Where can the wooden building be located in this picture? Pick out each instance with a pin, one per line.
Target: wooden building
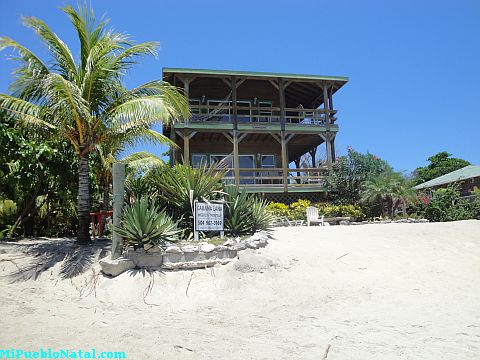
(258, 125)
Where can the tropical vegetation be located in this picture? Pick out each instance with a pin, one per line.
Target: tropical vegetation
(440, 164)
(83, 101)
(145, 225)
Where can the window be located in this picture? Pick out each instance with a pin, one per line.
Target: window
(224, 161)
(268, 162)
(246, 162)
(199, 159)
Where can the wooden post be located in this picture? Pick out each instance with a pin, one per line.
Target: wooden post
(281, 90)
(186, 90)
(332, 146)
(118, 175)
(284, 162)
(236, 158)
(233, 82)
(329, 151)
(325, 105)
(186, 149)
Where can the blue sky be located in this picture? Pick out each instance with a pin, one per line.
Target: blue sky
(414, 66)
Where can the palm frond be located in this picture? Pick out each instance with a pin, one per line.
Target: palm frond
(64, 62)
(66, 102)
(27, 113)
(28, 77)
(164, 102)
(142, 161)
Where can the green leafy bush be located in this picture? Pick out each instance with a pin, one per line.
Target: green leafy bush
(278, 209)
(298, 209)
(349, 174)
(445, 204)
(8, 210)
(143, 224)
(354, 211)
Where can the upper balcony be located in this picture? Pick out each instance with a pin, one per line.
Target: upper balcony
(256, 101)
(261, 114)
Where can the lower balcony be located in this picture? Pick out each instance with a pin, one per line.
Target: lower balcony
(270, 180)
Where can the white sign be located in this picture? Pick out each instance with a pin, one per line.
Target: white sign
(208, 216)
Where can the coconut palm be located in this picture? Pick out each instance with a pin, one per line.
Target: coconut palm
(84, 100)
(390, 189)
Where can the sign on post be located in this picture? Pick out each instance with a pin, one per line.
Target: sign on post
(208, 217)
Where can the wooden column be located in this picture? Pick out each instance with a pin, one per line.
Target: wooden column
(186, 145)
(233, 82)
(281, 89)
(186, 90)
(186, 149)
(236, 158)
(325, 105)
(284, 161)
(332, 147)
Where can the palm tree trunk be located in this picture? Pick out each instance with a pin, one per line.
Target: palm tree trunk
(83, 234)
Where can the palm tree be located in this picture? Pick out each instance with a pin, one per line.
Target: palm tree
(84, 101)
(390, 189)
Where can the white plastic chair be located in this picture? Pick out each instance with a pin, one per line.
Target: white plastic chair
(312, 216)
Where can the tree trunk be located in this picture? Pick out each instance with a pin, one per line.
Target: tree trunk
(83, 211)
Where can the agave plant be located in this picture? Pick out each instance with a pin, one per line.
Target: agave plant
(261, 218)
(145, 225)
(245, 214)
(176, 187)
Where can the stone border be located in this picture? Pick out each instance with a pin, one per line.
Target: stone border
(185, 257)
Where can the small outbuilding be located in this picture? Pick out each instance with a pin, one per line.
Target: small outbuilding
(466, 178)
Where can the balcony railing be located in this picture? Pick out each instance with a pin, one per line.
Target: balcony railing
(274, 177)
(250, 114)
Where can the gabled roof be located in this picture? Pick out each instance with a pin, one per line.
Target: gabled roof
(167, 70)
(468, 172)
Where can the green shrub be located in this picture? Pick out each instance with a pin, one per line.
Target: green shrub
(8, 211)
(278, 209)
(298, 209)
(353, 211)
(144, 225)
(445, 205)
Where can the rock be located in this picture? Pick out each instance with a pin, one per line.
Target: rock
(252, 244)
(344, 222)
(240, 246)
(189, 248)
(262, 242)
(226, 254)
(117, 266)
(173, 257)
(145, 260)
(173, 249)
(230, 242)
(153, 249)
(326, 223)
(206, 248)
(221, 248)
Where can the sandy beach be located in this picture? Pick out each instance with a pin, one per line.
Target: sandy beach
(388, 291)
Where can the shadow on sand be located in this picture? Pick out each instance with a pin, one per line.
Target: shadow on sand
(73, 259)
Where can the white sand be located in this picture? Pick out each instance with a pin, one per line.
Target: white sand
(402, 291)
